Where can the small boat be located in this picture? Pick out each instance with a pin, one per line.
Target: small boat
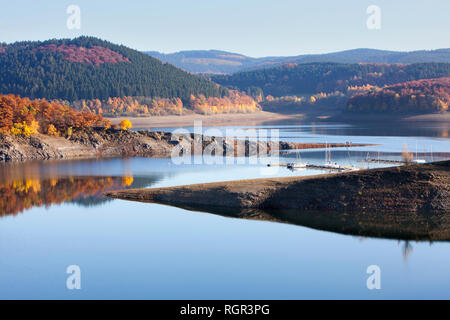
(328, 164)
(298, 164)
(417, 160)
(350, 168)
(331, 165)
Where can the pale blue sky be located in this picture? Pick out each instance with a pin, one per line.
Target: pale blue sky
(252, 27)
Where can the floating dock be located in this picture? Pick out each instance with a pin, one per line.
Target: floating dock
(317, 167)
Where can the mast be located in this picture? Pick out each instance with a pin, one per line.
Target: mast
(416, 149)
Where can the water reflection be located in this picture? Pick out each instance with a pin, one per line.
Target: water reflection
(435, 129)
(407, 250)
(20, 194)
(408, 226)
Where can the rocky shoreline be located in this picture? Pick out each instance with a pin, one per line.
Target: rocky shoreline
(98, 143)
(410, 188)
(88, 144)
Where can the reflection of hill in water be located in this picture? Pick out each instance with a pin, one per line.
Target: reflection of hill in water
(401, 226)
(436, 129)
(91, 201)
(98, 198)
(19, 195)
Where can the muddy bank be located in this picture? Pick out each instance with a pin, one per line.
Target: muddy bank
(117, 143)
(269, 116)
(223, 119)
(413, 188)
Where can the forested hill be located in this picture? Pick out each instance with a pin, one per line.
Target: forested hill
(222, 62)
(422, 96)
(207, 61)
(297, 79)
(88, 68)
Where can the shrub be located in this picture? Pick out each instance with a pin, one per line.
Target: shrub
(51, 131)
(125, 124)
(24, 129)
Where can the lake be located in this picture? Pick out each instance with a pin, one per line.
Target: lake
(54, 215)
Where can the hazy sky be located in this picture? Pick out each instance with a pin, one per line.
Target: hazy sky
(252, 27)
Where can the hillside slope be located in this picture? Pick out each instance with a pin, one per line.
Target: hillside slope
(298, 79)
(206, 61)
(88, 68)
(422, 96)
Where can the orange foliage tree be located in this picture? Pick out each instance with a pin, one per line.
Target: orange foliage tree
(235, 102)
(24, 116)
(125, 124)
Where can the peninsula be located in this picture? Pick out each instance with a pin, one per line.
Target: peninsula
(410, 188)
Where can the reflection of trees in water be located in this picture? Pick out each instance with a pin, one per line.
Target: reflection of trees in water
(407, 249)
(438, 129)
(90, 201)
(402, 226)
(125, 181)
(405, 227)
(25, 193)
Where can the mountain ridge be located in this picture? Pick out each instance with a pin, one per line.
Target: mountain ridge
(225, 62)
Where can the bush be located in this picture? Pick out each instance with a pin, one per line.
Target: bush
(24, 129)
(125, 124)
(51, 131)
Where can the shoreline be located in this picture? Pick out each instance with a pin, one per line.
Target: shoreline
(261, 117)
(225, 119)
(98, 143)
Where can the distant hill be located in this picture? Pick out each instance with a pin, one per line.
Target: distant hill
(202, 61)
(222, 62)
(88, 68)
(422, 96)
(299, 79)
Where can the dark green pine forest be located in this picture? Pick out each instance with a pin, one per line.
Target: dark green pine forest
(29, 71)
(311, 78)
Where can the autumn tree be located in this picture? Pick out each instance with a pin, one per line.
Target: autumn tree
(22, 116)
(125, 124)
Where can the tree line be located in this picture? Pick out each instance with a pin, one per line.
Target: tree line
(22, 116)
(312, 78)
(235, 102)
(429, 95)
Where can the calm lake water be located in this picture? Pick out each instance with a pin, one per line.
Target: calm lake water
(53, 215)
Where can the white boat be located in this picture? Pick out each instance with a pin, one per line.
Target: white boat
(328, 164)
(297, 164)
(351, 168)
(417, 160)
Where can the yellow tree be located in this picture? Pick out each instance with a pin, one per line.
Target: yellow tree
(125, 124)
